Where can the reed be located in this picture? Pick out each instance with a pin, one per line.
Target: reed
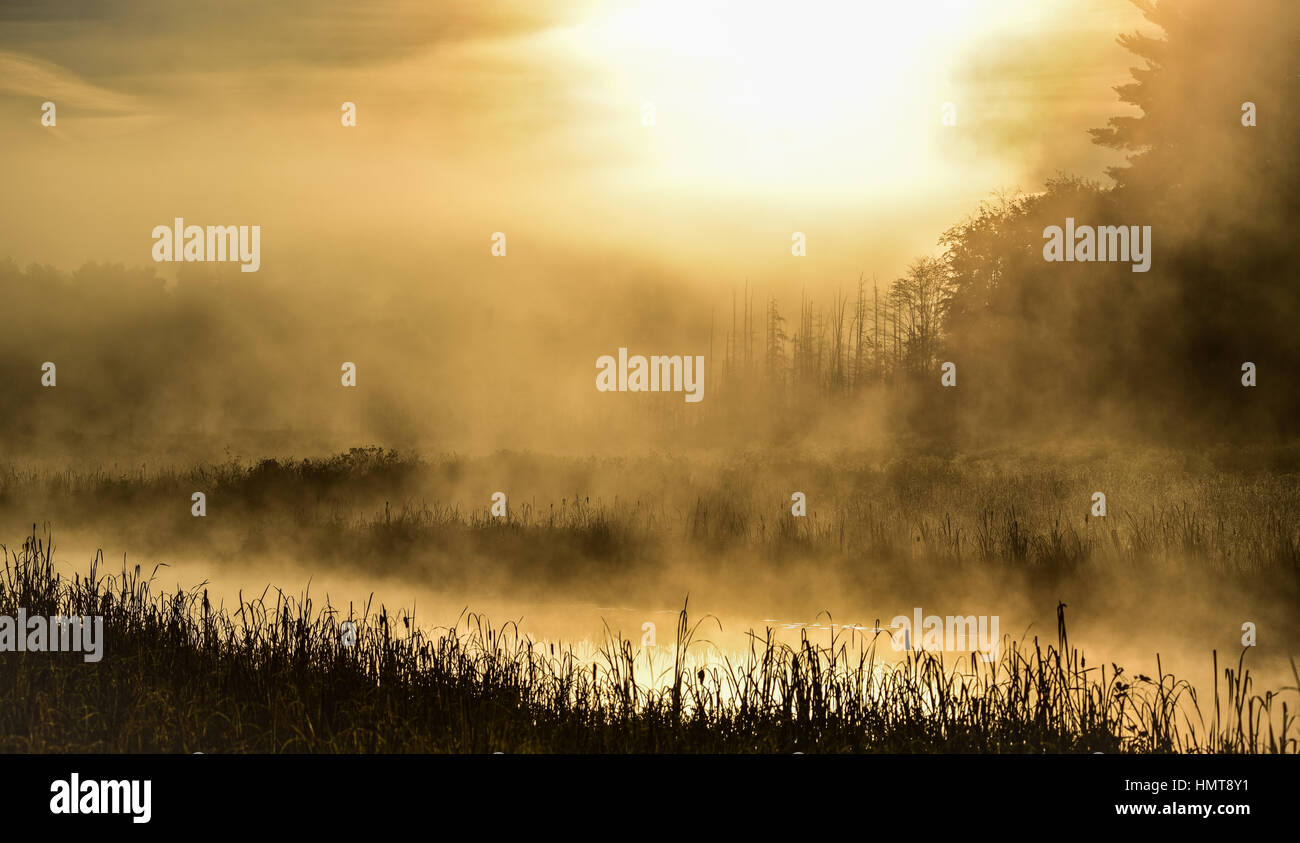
(273, 674)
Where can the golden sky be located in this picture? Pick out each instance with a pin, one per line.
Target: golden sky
(527, 117)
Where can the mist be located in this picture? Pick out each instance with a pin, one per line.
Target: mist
(904, 403)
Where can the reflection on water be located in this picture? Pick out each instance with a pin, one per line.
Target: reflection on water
(867, 652)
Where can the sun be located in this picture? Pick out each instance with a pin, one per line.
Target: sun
(781, 93)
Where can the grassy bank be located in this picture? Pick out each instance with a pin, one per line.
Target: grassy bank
(276, 675)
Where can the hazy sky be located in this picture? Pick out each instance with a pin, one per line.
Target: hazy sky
(526, 117)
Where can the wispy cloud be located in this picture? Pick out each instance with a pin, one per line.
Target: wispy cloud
(141, 40)
(26, 76)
